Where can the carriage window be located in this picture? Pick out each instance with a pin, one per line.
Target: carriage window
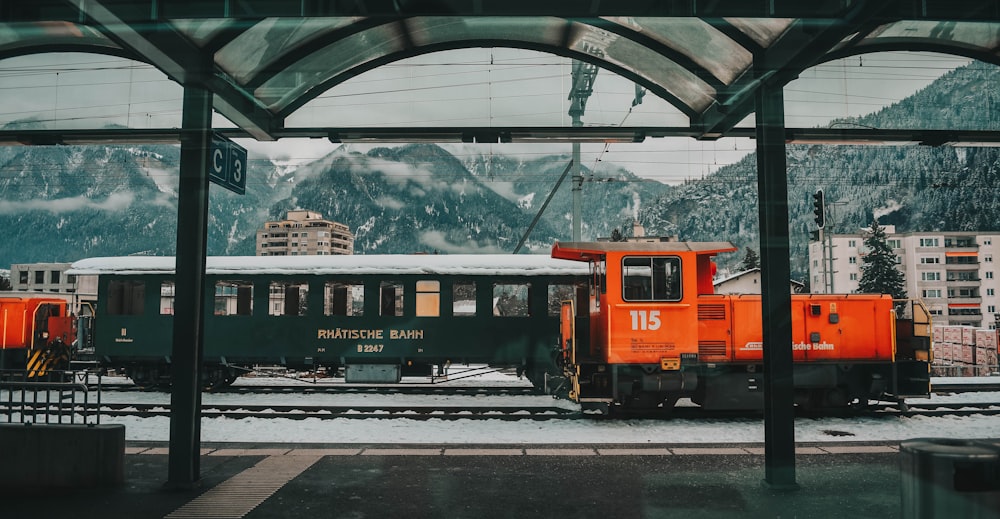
(511, 300)
(344, 299)
(233, 297)
(566, 292)
(287, 298)
(167, 298)
(428, 298)
(390, 299)
(464, 299)
(651, 279)
(126, 297)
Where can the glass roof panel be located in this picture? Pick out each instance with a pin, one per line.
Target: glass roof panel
(272, 39)
(763, 31)
(325, 63)
(22, 35)
(609, 47)
(977, 34)
(358, 49)
(201, 31)
(699, 41)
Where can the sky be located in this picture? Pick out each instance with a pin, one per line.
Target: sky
(475, 87)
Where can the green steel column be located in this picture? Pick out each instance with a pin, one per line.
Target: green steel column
(772, 193)
(192, 219)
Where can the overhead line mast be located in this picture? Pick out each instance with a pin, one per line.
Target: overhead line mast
(583, 86)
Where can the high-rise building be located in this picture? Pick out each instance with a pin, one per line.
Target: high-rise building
(952, 272)
(304, 233)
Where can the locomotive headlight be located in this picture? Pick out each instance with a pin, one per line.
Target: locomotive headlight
(45, 335)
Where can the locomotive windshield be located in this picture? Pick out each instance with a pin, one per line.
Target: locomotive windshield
(654, 278)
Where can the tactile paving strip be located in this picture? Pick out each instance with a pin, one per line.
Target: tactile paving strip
(238, 495)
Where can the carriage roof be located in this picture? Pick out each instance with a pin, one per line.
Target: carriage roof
(382, 264)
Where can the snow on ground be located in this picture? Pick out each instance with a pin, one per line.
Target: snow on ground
(558, 431)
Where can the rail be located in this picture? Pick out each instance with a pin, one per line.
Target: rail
(64, 397)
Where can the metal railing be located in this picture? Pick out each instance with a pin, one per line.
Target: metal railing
(60, 397)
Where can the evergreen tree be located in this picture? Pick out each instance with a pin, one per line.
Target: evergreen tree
(751, 260)
(617, 235)
(879, 274)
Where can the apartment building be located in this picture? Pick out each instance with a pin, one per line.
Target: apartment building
(952, 272)
(304, 233)
(42, 277)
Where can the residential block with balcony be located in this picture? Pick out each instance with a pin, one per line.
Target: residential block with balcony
(952, 272)
(304, 233)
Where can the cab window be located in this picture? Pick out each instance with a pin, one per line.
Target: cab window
(655, 278)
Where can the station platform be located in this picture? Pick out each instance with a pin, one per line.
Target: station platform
(487, 482)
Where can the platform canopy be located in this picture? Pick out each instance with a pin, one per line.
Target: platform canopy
(265, 59)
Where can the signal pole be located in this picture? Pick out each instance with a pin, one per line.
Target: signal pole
(583, 86)
(819, 210)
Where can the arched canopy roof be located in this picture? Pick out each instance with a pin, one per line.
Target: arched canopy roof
(264, 59)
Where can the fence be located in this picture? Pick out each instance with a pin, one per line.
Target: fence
(60, 397)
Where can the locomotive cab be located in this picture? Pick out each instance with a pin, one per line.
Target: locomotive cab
(641, 329)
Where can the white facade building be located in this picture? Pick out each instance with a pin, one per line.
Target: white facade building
(952, 272)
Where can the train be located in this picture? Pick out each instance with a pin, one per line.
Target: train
(373, 318)
(38, 334)
(611, 325)
(653, 332)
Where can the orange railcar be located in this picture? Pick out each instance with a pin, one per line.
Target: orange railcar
(655, 332)
(36, 333)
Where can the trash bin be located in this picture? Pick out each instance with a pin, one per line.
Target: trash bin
(949, 478)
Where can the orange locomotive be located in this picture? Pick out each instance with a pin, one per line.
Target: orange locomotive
(36, 333)
(652, 331)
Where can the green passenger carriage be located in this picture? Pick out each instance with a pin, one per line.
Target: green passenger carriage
(376, 317)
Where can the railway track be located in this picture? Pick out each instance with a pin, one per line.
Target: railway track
(325, 412)
(402, 389)
(478, 412)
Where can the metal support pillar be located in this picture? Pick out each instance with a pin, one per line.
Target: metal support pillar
(772, 192)
(192, 219)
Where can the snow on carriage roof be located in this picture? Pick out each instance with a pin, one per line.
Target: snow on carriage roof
(451, 264)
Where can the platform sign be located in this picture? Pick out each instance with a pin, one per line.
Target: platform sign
(227, 164)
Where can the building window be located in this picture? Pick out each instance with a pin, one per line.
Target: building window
(930, 260)
(852, 260)
(852, 243)
(932, 293)
(929, 242)
(54, 276)
(989, 275)
(991, 308)
(894, 243)
(23, 277)
(463, 299)
(71, 279)
(988, 241)
(39, 277)
(930, 276)
(854, 276)
(988, 259)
